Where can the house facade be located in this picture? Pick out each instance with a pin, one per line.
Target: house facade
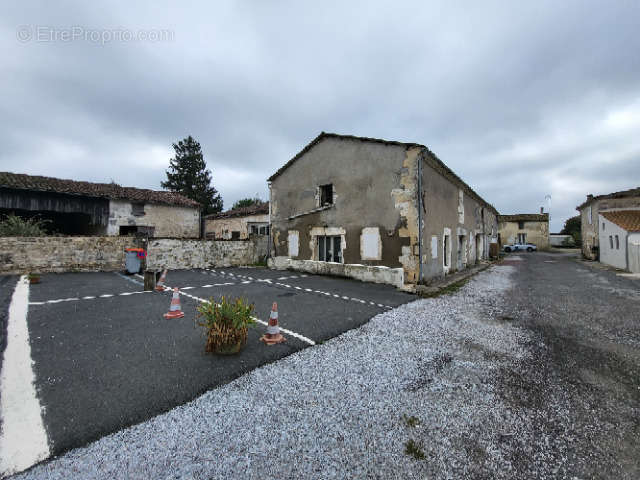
(619, 239)
(86, 208)
(593, 206)
(524, 228)
(238, 223)
(348, 204)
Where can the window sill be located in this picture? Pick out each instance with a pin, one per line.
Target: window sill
(315, 210)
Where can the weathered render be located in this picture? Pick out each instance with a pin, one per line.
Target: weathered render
(239, 223)
(524, 228)
(378, 204)
(589, 210)
(86, 208)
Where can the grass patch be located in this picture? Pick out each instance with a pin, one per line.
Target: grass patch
(414, 449)
(411, 421)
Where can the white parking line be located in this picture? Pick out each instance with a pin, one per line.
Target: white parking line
(262, 322)
(23, 441)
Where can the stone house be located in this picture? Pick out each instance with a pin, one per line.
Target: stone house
(524, 228)
(377, 210)
(593, 206)
(86, 208)
(619, 239)
(238, 223)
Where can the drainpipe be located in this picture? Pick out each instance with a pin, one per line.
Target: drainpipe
(420, 216)
(269, 237)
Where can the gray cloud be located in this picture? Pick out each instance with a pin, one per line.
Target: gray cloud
(521, 100)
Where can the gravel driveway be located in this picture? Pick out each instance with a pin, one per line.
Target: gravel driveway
(465, 385)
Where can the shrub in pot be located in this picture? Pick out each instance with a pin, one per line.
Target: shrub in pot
(34, 278)
(226, 323)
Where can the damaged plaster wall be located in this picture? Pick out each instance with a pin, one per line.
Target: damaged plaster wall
(449, 208)
(168, 220)
(354, 169)
(405, 201)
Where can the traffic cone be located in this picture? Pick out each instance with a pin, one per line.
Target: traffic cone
(160, 284)
(273, 335)
(175, 311)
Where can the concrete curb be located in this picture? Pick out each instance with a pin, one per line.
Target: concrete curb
(435, 289)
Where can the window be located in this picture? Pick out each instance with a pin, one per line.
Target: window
(259, 229)
(611, 242)
(520, 225)
(326, 195)
(589, 218)
(235, 235)
(617, 243)
(137, 209)
(128, 229)
(329, 249)
(446, 249)
(603, 226)
(522, 238)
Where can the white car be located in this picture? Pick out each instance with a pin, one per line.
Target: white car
(529, 247)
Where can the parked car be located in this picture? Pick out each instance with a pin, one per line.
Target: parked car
(529, 247)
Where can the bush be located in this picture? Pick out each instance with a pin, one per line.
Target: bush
(227, 324)
(14, 226)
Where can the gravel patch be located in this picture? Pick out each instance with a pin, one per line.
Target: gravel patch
(428, 372)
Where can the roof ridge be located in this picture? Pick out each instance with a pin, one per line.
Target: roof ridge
(42, 183)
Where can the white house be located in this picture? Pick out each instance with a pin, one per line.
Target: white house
(619, 239)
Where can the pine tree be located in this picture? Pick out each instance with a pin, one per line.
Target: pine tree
(189, 176)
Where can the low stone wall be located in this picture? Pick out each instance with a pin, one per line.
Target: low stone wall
(86, 254)
(180, 254)
(63, 254)
(365, 273)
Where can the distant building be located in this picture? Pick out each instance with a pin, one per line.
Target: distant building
(561, 240)
(524, 228)
(619, 239)
(238, 223)
(593, 206)
(86, 208)
(378, 210)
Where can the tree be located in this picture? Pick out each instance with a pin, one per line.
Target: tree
(189, 176)
(247, 202)
(573, 227)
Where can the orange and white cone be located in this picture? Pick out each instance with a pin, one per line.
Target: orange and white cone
(273, 335)
(175, 311)
(160, 284)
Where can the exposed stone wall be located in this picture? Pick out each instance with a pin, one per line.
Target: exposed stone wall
(81, 254)
(221, 228)
(181, 254)
(63, 254)
(167, 220)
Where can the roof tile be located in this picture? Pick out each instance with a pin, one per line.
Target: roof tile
(22, 181)
(628, 220)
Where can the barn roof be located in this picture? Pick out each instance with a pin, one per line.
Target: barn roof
(21, 181)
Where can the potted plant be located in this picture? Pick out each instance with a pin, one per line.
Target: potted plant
(226, 323)
(34, 278)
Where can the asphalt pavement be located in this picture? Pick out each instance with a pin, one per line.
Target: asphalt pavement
(105, 357)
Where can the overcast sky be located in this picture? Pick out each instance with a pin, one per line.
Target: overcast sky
(520, 99)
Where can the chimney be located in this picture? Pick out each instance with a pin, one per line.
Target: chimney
(589, 197)
(541, 210)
